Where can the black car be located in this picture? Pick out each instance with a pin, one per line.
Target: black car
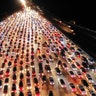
(47, 68)
(33, 71)
(44, 79)
(21, 76)
(58, 71)
(21, 85)
(9, 64)
(51, 80)
(44, 56)
(40, 68)
(5, 90)
(14, 69)
(14, 77)
(27, 73)
(6, 80)
(51, 93)
(0, 83)
(12, 94)
(13, 87)
(37, 92)
(21, 93)
(84, 82)
(35, 80)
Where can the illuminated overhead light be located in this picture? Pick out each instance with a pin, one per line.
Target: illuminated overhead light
(23, 2)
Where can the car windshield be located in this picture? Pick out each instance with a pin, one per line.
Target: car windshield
(62, 81)
(72, 85)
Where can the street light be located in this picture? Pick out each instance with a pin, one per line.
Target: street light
(23, 2)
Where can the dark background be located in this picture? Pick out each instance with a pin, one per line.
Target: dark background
(81, 11)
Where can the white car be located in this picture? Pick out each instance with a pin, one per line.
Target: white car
(61, 83)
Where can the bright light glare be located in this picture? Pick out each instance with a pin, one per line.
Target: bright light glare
(23, 2)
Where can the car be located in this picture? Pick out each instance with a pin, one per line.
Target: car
(72, 49)
(47, 52)
(28, 74)
(51, 80)
(47, 62)
(85, 65)
(14, 69)
(89, 78)
(33, 71)
(29, 93)
(1, 74)
(50, 58)
(21, 76)
(61, 83)
(56, 56)
(21, 62)
(12, 93)
(28, 82)
(74, 68)
(37, 91)
(47, 68)
(21, 68)
(44, 56)
(21, 93)
(40, 58)
(84, 82)
(68, 60)
(58, 71)
(92, 93)
(77, 54)
(20, 85)
(5, 89)
(9, 64)
(72, 74)
(82, 90)
(84, 59)
(1, 84)
(40, 69)
(7, 73)
(6, 81)
(35, 80)
(3, 65)
(65, 66)
(13, 87)
(44, 79)
(92, 68)
(26, 67)
(51, 93)
(77, 65)
(83, 70)
(91, 61)
(72, 87)
(59, 62)
(79, 74)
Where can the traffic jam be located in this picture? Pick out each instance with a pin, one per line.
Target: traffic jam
(37, 59)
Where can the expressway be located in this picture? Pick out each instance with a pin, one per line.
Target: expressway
(27, 39)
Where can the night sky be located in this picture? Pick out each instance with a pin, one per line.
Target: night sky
(83, 12)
